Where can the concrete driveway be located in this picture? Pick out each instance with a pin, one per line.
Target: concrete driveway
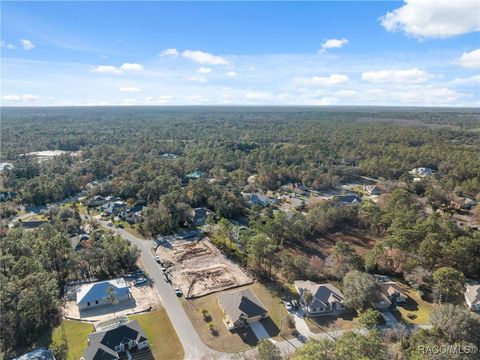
(259, 331)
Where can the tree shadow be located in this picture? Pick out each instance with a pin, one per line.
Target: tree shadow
(409, 305)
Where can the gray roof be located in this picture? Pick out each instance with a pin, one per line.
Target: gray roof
(473, 294)
(101, 345)
(241, 304)
(323, 294)
(98, 291)
(38, 354)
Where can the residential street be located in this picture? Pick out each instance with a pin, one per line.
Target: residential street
(192, 344)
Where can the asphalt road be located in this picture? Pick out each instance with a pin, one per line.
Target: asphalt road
(193, 345)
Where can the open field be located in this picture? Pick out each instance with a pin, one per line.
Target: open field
(161, 335)
(242, 339)
(200, 268)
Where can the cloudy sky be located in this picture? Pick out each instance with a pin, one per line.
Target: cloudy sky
(412, 53)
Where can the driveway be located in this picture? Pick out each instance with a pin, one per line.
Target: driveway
(259, 331)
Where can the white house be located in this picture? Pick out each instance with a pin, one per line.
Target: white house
(472, 296)
(95, 294)
(326, 298)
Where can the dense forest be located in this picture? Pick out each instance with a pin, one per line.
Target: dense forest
(123, 151)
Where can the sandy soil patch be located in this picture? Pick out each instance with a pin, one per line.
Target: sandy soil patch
(199, 268)
(144, 297)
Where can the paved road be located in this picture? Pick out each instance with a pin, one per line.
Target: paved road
(193, 345)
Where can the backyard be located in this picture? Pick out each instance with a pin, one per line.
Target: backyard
(75, 334)
(416, 310)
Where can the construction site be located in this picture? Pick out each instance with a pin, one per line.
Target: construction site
(199, 268)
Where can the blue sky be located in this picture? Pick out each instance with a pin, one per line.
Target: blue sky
(419, 52)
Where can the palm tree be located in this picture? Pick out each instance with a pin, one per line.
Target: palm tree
(111, 298)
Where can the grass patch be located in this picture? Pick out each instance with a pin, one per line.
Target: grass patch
(75, 333)
(242, 339)
(418, 309)
(325, 323)
(161, 335)
(132, 230)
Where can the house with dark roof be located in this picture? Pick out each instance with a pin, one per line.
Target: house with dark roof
(472, 296)
(37, 354)
(241, 308)
(326, 298)
(125, 341)
(95, 294)
(349, 199)
(97, 200)
(78, 241)
(372, 190)
(199, 215)
(259, 199)
(114, 207)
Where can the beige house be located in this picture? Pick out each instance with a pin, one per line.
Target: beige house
(326, 298)
(390, 293)
(241, 308)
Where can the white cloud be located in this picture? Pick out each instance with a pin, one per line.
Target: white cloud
(204, 70)
(126, 67)
(204, 58)
(169, 53)
(131, 67)
(199, 79)
(130, 89)
(23, 97)
(6, 45)
(231, 74)
(160, 100)
(27, 44)
(331, 80)
(327, 100)
(470, 81)
(345, 93)
(258, 96)
(470, 60)
(434, 18)
(333, 44)
(396, 76)
(196, 99)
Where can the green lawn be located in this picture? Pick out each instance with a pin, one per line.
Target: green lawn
(242, 339)
(161, 335)
(415, 306)
(76, 334)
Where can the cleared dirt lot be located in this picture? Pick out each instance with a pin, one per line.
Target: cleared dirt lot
(199, 268)
(144, 298)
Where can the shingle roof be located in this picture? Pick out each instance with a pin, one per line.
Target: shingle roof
(38, 354)
(241, 304)
(323, 294)
(473, 294)
(102, 344)
(98, 291)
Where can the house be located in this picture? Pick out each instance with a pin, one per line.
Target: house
(468, 204)
(388, 294)
(114, 207)
(195, 175)
(258, 199)
(199, 215)
(372, 190)
(421, 171)
(32, 224)
(125, 341)
(349, 199)
(7, 195)
(296, 188)
(97, 200)
(472, 296)
(326, 298)
(394, 292)
(241, 308)
(132, 215)
(37, 354)
(78, 241)
(169, 156)
(95, 294)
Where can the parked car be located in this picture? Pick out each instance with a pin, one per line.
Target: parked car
(295, 304)
(288, 305)
(178, 292)
(139, 281)
(157, 259)
(167, 278)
